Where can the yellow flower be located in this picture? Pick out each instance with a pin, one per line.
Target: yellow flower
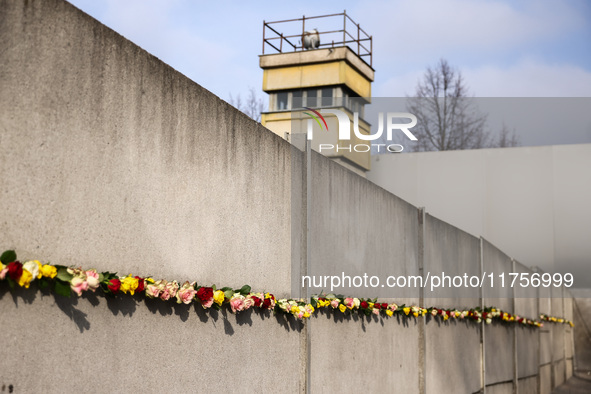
(370, 305)
(560, 320)
(306, 315)
(48, 271)
(342, 308)
(416, 314)
(406, 310)
(25, 279)
(129, 284)
(39, 275)
(445, 317)
(389, 312)
(149, 280)
(218, 297)
(295, 309)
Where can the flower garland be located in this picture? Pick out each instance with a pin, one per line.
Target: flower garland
(65, 280)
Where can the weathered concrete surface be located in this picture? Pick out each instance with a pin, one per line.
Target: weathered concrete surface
(575, 385)
(454, 252)
(528, 385)
(527, 339)
(452, 357)
(129, 161)
(93, 345)
(111, 159)
(358, 228)
(363, 355)
(500, 362)
(542, 221)
(501, 388)
(545, 379)
(582, 334)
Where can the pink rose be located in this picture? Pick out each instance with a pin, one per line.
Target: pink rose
(170, 289)
(349, 302)
(78, 285)
(248, 303)
(152, 291)
(173, 288)
(3, 273)
(376, 311)
(335, 303)
(187, 293)
(92, 279)
(165, 295)
(237, 303)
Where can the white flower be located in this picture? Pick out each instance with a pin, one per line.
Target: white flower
(32, 267)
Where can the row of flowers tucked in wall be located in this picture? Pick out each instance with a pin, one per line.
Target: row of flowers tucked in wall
(67, 280)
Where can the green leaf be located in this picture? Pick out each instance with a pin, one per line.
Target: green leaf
(8, 257)
(11, 283)
(224, 289)
(101, 277)
(62, 288)
(43, 283)
(63, 274)
(228, 294)
(244, 290)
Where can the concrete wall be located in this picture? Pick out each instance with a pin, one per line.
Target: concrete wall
(532, 202)
(111, 159)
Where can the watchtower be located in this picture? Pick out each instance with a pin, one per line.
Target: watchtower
(306, 67)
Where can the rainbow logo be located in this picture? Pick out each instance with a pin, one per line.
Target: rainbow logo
(316, 118)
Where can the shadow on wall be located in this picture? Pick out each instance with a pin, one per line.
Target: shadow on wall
(126, 306)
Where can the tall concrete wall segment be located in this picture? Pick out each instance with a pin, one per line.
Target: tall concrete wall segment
(111, 159)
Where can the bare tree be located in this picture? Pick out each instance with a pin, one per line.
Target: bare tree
(447, 120)
(253, 106)
(507, 138)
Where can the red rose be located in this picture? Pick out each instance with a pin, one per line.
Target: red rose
(364, 304)
(114, 285)
(267, 303)
(384, 305)
(140, 284)
(376, 306)
(205, 294)
(448, 313)
(257, 301)
(484, 315)
(439, 312)
(15, 270)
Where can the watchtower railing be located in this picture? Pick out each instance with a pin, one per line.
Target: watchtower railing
(351, 32)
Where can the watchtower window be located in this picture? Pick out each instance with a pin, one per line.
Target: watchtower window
(327, 97)
(312, 98)
(282, 101)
